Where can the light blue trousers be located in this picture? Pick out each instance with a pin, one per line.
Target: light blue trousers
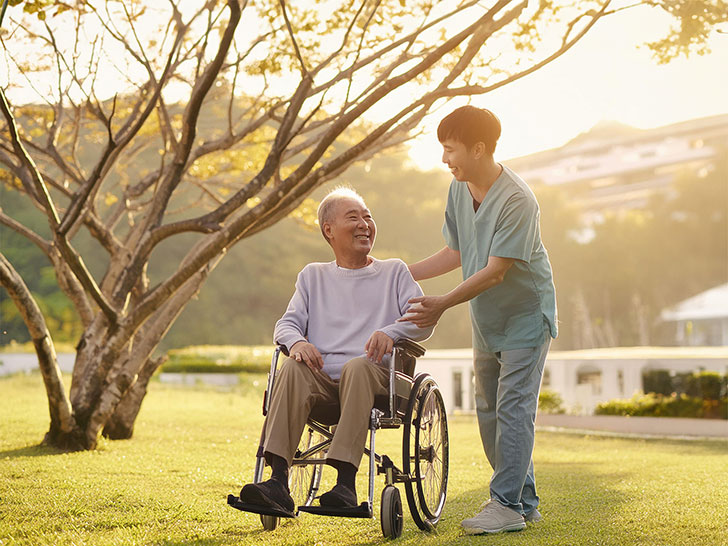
(506, 398)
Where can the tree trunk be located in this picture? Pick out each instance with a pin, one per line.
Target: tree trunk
(64, 431)
(121, 424)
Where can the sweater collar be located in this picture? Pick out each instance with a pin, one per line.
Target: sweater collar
(365, 271)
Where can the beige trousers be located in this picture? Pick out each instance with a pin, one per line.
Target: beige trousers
(297, 389)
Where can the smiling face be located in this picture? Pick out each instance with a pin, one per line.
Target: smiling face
(462, 162)
(351, 231)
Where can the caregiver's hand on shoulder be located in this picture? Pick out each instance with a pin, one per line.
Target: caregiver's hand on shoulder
(424, 311)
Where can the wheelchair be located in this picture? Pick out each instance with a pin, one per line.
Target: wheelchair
(414, 403)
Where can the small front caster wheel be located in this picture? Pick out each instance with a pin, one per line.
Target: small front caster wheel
(391, 516)
(269, 522)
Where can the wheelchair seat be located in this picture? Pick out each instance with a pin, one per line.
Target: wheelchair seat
(328, 413)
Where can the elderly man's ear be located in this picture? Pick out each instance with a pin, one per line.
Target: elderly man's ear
(327, 230)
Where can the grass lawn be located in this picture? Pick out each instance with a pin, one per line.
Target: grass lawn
(193, 446)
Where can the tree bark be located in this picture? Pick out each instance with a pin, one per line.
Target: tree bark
(121, 424)
(63, 432)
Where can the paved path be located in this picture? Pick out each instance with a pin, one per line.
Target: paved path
(640, 426)
(25, 362)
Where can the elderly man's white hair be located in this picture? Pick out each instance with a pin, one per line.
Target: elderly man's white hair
(328, 204)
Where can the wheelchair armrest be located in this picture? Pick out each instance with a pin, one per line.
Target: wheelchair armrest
(410, 348)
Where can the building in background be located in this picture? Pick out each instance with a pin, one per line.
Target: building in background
(702, 319)
(615, 167)
(583, 379)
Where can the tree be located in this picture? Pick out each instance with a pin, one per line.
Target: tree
(305, 91)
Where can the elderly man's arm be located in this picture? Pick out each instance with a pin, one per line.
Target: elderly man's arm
(382, 341)
(290, 330)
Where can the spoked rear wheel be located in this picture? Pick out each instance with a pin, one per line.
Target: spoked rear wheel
(425, 451)
(304, 479)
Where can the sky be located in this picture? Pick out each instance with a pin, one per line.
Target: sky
(606, 76)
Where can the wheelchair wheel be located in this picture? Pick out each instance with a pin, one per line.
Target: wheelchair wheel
(425, 451)
(269, 522)
(391, 512)
(304, 479)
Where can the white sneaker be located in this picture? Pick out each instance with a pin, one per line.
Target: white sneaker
(494, 518)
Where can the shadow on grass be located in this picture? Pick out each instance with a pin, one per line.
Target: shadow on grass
(255, 536)
(578, 501)
(35, 450)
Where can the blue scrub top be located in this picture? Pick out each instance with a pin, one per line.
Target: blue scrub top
(521, 311)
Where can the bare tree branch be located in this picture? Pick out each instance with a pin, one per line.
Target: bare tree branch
(304, 70)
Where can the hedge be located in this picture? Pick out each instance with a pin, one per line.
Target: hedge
(658, 405)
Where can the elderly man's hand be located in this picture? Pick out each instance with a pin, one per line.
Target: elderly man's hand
(427, 313)
(308, 354)
(378, 345)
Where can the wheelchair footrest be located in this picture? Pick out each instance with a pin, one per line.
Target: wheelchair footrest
(235, 502)
(361, 511)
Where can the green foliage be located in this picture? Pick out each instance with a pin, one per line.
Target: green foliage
(40, 8)
(693, 21)
(658, 405)
(38, 273)
(550, 402)
(219, 359)
(706, 385)
(657, 382)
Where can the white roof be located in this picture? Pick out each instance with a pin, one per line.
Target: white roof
(710, 304)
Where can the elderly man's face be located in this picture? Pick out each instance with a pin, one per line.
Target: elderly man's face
(352, 230)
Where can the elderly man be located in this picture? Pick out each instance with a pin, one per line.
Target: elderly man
(338, 330)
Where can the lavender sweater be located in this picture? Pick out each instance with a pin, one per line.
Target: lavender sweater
(337, 310)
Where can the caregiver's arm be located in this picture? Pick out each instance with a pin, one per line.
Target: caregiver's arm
(432, 307)
(441, 262)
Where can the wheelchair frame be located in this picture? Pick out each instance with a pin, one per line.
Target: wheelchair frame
(425, 452)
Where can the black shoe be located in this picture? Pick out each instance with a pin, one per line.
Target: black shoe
(341, 496)
(271, 493)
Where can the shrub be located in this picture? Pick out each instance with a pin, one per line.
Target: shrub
(658, 382)
(657, 405)
(550, 402)
(706, 385)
